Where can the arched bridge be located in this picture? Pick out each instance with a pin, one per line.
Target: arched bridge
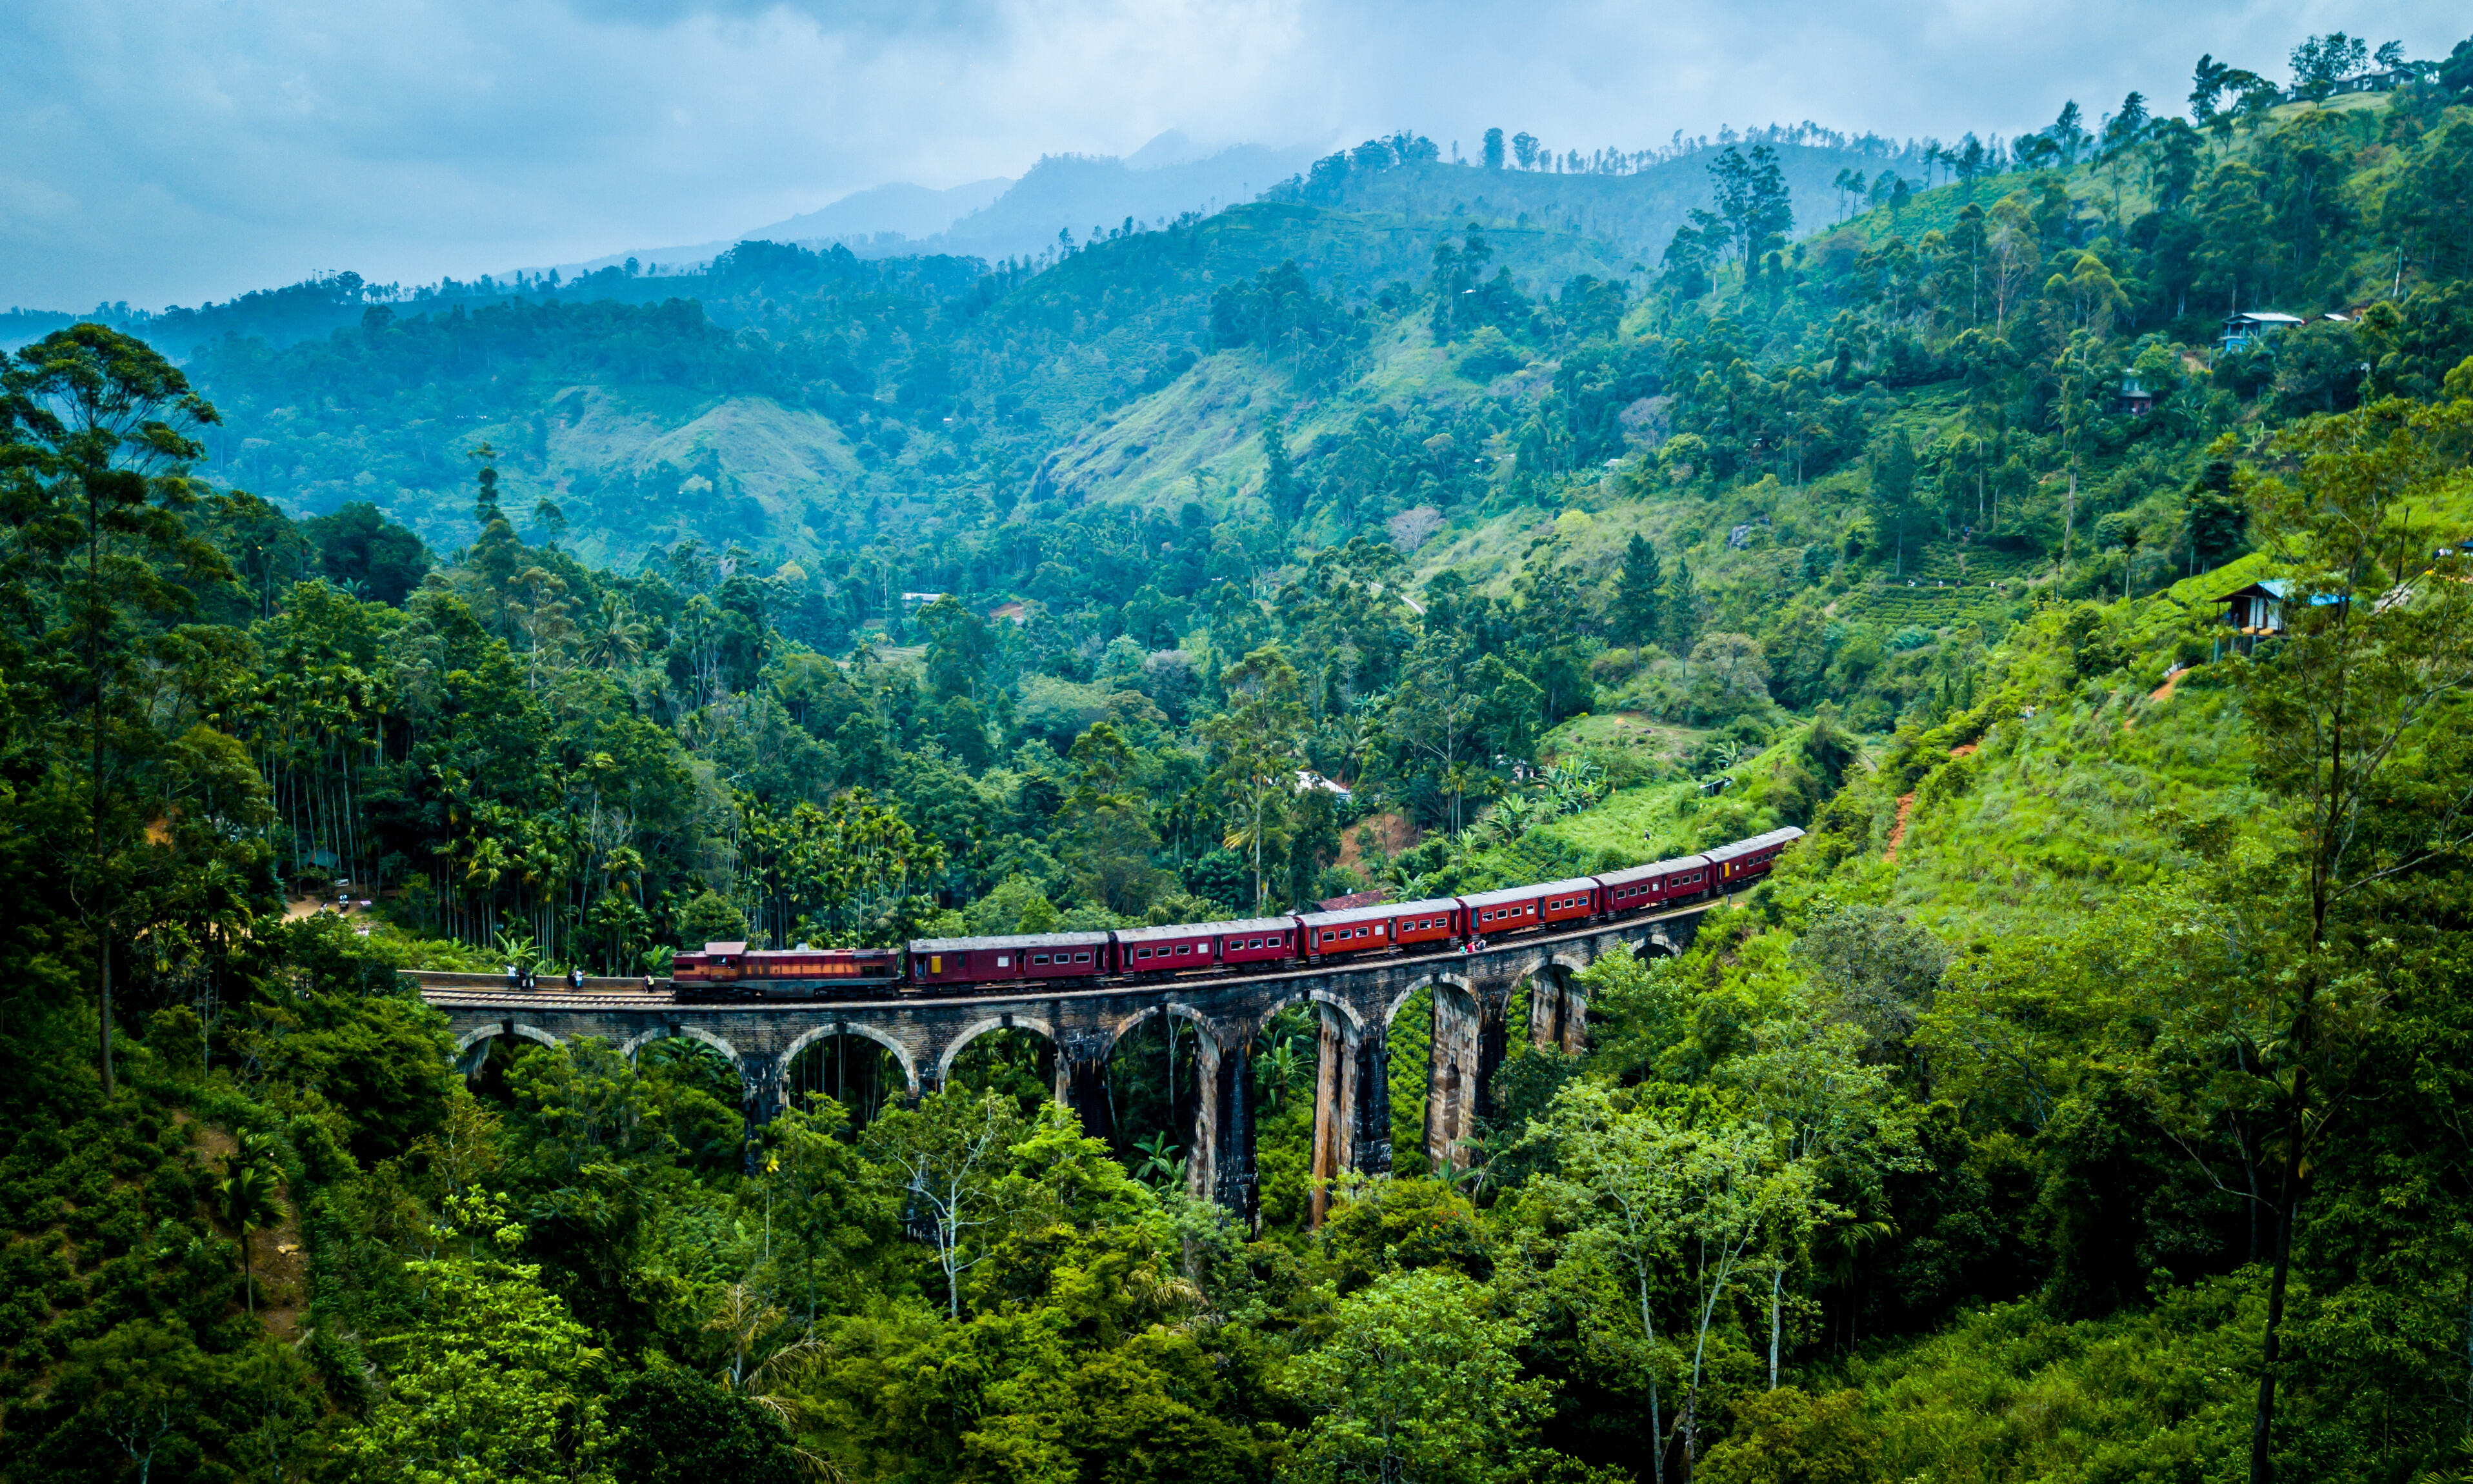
(1474, 998)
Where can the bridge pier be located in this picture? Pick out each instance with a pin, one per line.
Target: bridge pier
(1558, 1012)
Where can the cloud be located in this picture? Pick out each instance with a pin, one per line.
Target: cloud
(176, 150)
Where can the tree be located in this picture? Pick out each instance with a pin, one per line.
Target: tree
(1731, 676)
(485, 495)
(1637, 609)
(1419, 1380)
(674, 1428)
(2320, 62)
(1493, 148)
(496, 1381)
(1753, 200)
(2358, 733)
(96, 445)
(1279, 486)
(2068, 132)
(1618, 1175)
(1255, 746)
(947, 1159)
(1893, 492)
(361, 551)
(1682, 609)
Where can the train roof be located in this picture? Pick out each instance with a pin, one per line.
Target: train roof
(1205, 929)
(1524, 893)
(1652, 870)
(723, 947)
(1756, 843)
(1382, 913)
(1024, 941)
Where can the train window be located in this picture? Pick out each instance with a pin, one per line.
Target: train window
(1039, 958)
(1378, 929)
(1005, 960)
(1081, 958)
(1182, 949)
(1141, 953)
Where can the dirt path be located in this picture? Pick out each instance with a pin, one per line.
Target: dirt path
(1898, 830)
(2163, 692)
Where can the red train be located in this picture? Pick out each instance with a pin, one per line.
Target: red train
(1146, 955)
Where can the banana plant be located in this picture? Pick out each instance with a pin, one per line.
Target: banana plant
(1161, 1164)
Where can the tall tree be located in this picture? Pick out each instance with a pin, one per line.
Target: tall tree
(2358, 731)
(1639, 602)
(1255, 746)
(97, 441)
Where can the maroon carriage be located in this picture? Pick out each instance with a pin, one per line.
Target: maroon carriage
(1042, 956)
(1518, 907)
(1746, 861)
(1639, 888)
(1146, 951)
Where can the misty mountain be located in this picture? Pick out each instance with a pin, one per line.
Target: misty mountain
(901, 210)
(1004, 218)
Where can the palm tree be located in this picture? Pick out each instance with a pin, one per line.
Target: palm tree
(1286, 1070)
(1160, 1162)
(246, 1201)
(610, 636)
(762, 1363)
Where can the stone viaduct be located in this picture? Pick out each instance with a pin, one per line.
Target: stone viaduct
(1475, 998)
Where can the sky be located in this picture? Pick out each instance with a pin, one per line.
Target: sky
(166, 152)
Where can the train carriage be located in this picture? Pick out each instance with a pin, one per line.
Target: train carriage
(1639, 888)
(1379, 928)
(936, 961)
(1147, 951)
(1519, 907)
(1746, 861)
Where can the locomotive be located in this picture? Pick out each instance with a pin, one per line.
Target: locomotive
(1137, 955)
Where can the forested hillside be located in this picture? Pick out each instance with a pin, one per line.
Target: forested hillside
(2084, 1099)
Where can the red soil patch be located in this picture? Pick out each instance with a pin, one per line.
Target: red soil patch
(1392, 834)
(1898, 830)
(2163, 692)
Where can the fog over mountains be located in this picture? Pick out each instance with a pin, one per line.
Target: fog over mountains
(1002, 217)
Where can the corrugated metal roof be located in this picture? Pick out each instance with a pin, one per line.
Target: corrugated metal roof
(1754, 844)
(1180, 931)
(1526, 893)
(1382, 914)
(1032, 940)
(1652, 870)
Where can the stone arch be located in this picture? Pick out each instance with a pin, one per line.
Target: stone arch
(1437, 981)
(643, 1038)
(978, 1028)
(864, 1031)
(1355, 1018)
(480, 1033)
(1206, 1035)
